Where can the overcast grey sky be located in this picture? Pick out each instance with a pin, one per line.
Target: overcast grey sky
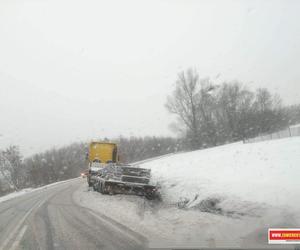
(80, 69)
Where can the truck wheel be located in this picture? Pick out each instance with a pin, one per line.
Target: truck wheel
(150, 196)
(102, 188)
(96, 185)
(99, 187)
(153, 196)
(110, 190)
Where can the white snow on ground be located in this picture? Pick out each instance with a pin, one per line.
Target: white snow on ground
(162, 225)
(226, 196)
(29, 190)
(295, 126)
(265, 172)
(15, 194)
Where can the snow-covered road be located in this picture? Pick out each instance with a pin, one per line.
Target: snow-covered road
(48, 218)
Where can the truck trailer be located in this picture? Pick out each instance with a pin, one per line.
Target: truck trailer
(108, 175)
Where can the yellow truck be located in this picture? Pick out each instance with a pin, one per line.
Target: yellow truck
(103, 152)
(99, 155)
(108, 176)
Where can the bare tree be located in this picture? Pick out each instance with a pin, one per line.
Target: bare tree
(187, 103)
(234, 108)
(184, 102)
(5, 173)
(13, 160)
(269, 112)
(210, 114)
(194, 104)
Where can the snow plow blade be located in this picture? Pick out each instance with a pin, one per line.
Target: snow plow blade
(125, 179)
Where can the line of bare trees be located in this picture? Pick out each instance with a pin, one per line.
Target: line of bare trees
(209, 114)
(68, 162)
(40, 169)
(134, 149)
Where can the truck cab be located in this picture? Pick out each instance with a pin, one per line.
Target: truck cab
(100, 154)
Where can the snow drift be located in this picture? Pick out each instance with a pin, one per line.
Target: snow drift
(265, 172)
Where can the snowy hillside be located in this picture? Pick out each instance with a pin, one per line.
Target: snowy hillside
(239, 188)
(265, 172)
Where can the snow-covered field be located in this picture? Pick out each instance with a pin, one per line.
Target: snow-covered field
(224, 196)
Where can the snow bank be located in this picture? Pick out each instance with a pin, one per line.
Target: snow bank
(163, 225)
(15, 194)
(265, 172)
(295, 126)
(30, 190)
